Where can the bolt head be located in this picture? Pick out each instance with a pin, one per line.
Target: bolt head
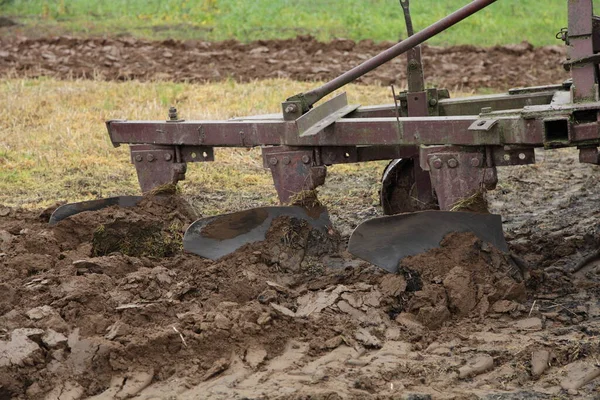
(150, 157)
(413, 65)
(138, 158)
(291, 108)
(273, 161)
(475, 162)
(305, 159)
(436, 163)
(452, 163)
(286, 160)
(168, 157)
(433, 102)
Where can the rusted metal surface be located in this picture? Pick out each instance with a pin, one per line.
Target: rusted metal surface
(157, 166)
(510, 129)
(457, 173)
(589, 155)
(581, 46)
(293, 171)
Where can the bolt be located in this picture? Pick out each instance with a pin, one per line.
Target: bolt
(138, 158)
(436, 163)
(286, 160)
(452, 163)
(475, 162)
(273, 161)
(173, 114)
(150, 157)
(413, 65)
(168, 157)
(433, 102)
(305, 159)
(291, 109)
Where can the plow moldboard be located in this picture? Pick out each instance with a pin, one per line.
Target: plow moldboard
(70, 209)
(215, 237)
(384, 241)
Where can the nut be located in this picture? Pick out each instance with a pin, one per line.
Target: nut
(305, 159)
(286, 160)
(413, 65)
(291, 108)
(173, 114)
(433, 102)
(150, 157)
(452, 163)
(138, 158)
(273, 161)
(475, 162)
(436, 163)
(168, 157)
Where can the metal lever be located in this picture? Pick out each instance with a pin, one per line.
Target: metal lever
(405, 4)
(414, 66)
(306, 100)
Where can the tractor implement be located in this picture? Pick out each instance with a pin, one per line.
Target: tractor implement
(441, 150)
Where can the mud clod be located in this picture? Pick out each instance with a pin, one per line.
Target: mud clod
(273, 321)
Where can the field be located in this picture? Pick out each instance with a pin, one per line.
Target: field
(106, 304)
(507, 21)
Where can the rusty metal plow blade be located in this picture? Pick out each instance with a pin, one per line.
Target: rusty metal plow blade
(384, 241)
(70, 209)
(215, 237)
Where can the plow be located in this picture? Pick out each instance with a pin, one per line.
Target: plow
(442, 151)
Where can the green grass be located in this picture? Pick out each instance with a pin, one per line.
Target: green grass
(506, 21)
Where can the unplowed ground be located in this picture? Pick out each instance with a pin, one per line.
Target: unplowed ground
(459, 68)
(106, 305)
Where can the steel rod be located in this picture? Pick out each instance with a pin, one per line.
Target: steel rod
(317, 94)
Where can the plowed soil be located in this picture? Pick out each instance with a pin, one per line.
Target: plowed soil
(462, 68)
(106, 304)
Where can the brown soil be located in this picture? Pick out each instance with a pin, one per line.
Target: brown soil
(459, 68)
(294, 317)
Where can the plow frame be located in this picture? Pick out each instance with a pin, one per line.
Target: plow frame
(455, 144)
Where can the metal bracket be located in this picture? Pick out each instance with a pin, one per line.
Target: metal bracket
(324, 115)
(294, 170)
(483, 124)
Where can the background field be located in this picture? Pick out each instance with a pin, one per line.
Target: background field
(507, 21)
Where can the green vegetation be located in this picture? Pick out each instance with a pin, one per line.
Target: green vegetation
(506, 21)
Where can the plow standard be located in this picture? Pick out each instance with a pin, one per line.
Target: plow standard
(441, 150)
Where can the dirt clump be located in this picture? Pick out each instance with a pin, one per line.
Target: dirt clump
(465, 276)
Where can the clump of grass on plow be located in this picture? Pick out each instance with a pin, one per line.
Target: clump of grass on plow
(54, 145)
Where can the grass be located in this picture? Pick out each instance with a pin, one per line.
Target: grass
(506, 21)
(54, 145)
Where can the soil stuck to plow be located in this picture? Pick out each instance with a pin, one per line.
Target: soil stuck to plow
(462, 68)
(84, 313)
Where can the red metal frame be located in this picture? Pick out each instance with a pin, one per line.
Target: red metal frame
(458, 142)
